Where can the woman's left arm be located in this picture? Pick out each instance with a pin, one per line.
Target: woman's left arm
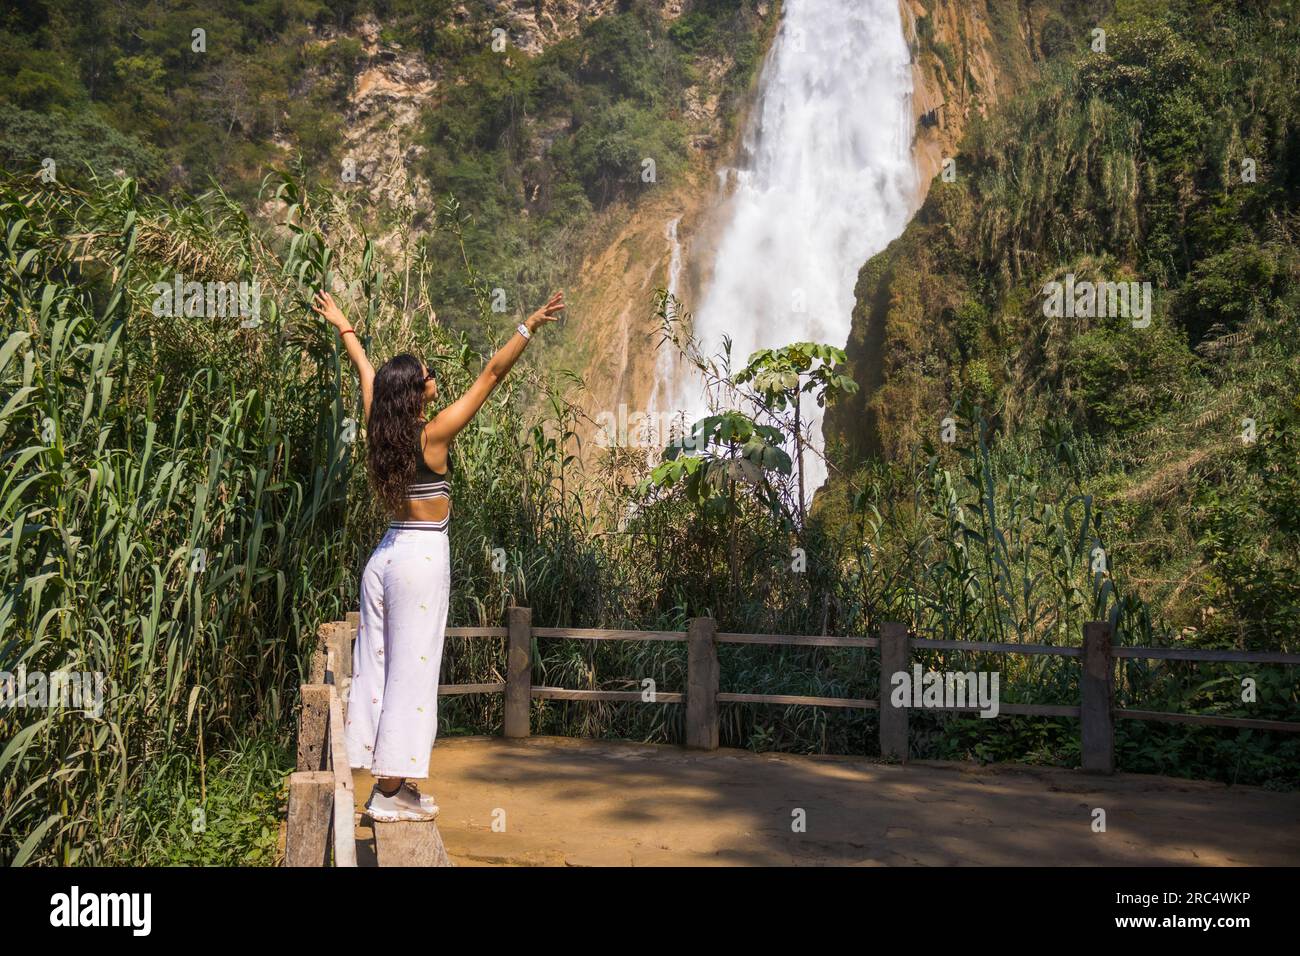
(448, 422)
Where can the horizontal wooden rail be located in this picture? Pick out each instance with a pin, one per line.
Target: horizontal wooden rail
(1226, 657)
(626, 696)
(597, 634)
(834, 640)
(988, 647)
(1243, 723)
(452, 690)
(475, 632)
(798, 640)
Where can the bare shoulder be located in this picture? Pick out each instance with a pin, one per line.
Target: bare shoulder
(436, 447)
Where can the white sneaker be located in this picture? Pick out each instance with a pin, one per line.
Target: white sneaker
(403, 805)
(426, 799)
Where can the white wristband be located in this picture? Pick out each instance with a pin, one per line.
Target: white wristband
(523, 330)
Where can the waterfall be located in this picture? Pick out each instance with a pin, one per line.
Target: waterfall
(674, 255)
(825, 180)
(667, 361)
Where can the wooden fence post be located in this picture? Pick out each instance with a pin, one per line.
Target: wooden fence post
(316, 670)
(410, 843)
(519, 671)
(702, 684)
(340, 643)
(339, 639)
(895, 646)
(313, 727)
(1097, 692)
(353, 619)
(311, 811)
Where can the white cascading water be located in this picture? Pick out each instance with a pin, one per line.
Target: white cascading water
(826, 181)
(667, 360)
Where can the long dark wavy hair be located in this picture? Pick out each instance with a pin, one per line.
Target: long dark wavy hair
(393, 433)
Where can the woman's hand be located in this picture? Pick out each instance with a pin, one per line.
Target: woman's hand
(547, 313)
(324, 306)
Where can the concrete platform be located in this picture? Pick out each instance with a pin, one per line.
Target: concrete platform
(557, 801)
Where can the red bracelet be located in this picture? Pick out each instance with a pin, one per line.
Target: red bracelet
(346, 331)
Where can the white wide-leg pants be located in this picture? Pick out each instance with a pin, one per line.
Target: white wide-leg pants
(393, 704)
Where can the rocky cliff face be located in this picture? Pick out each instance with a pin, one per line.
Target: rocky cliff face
(532, 26)
(384, 109)
(967, 58)
(393, 87)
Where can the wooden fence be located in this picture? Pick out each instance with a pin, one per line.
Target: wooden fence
(322, 805)
(1095, 711)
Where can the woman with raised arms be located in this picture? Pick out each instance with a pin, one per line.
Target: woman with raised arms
(406, 585)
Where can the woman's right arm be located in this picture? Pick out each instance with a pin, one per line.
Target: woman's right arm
(324, 305)
(448, 422)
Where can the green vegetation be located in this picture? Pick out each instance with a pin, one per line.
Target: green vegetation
(1172, 158)
(133, 440)
(134, 68)
(176, 512)
(174, 503)
(223, 810)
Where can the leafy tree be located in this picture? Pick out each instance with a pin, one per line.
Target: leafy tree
(782, 376)
(80, 145)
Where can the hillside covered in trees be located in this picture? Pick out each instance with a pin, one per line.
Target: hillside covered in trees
(534, 118)
(1170, 157)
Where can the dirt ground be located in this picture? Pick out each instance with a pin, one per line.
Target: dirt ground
(564, 802)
